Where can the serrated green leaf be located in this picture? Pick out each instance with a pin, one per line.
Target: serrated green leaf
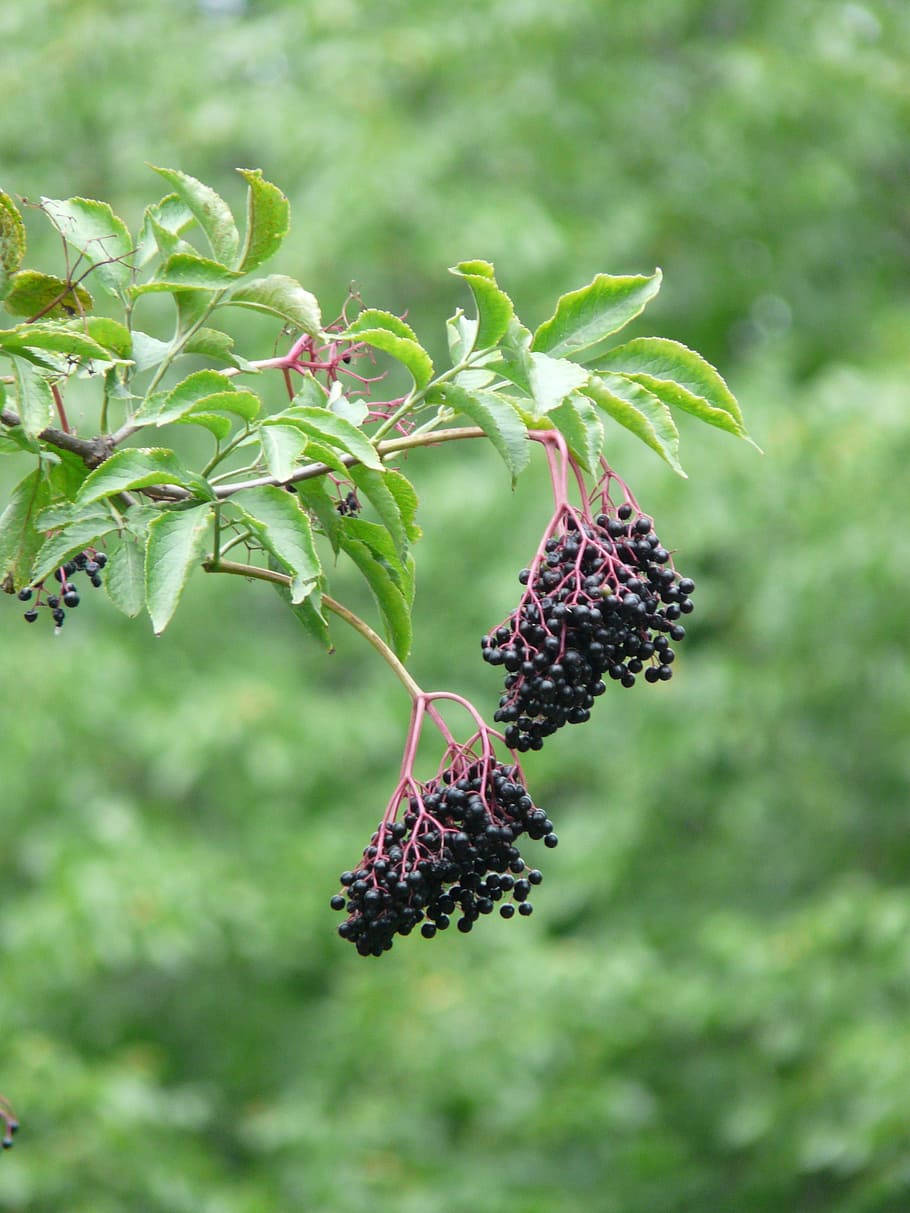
(283, 528)
(113, 337)
(213, 422)
(62, 546)
(66, 514)
(319, 501)
(309, 612)
(124, 576)
(639, 411)
(19, 537)
(174, 544)
(326, 427)
(279, 296)
(406, 496)
(578, 422)
(207, 391)
(389, 333)
(498, 420)
(392, 604)
(282, 446)
(148, 351)
(15, 440)
(60, 339)
(553, 380)
(211, 211)
(585, 318)
(212, 343)
(187, 272)
(34, 399)
(93, 228)
(318, 452)
(679, 377)
(311, 393)
(136, 468)
(31, 293)
(461, 335)
(494, 307)
(12, 241)
(356, 411)
(268, 217)
(374, 487)
(167, 219)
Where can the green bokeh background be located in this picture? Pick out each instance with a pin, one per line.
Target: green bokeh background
(709, 1008)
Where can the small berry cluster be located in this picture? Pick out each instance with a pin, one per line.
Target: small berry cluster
(8, 1122)
(349, 505)
(89, 562)
(453, 851)
(602, 598)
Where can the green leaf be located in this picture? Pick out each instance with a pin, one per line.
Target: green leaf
(393, 607)
(15, 440)
(19, 537)
(461, 335)
(389, 333)
(283, 528)
(34, 399)
(187, 272)
(111, 335)
(161, 227)
(326, 427)
(578, 421)
(319, 501)
(212, 343)
(356, 411)
(31, 293)
(94, 229)
(381, 544)
(12, 241)
(282, 446)
(639, 411)
(498, 420)
(62, 546)
(406, 497)
(679, 377)
(211, 211)
(494, 307)
(374, 487)
(268, 217)
(148, 351)
(206, 391)
(585, 318)
(124, 576)
(175, 540)
(213, 422)
(318, 452)
(60, 339)
(279, 296)
(137, 468)
(309, 612)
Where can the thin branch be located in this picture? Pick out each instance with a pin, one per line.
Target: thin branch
(337, 608)
(92, 450)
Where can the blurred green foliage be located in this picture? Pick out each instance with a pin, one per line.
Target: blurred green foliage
(709, 1008)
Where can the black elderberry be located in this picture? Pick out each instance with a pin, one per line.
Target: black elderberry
(601, 601)
(31, 616)
(25, 595)
(71, 599)
(453, 851)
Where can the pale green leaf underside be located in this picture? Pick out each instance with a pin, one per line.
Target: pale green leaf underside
(175, 540)
(584, 318)
(639, 411)
(283, 529)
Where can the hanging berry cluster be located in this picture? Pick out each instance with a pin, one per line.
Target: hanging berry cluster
(602, 599)
(66, 594)
(454, 849)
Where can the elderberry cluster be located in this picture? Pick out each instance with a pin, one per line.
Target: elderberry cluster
(603, 599)
(89, 562)
(454, 852)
